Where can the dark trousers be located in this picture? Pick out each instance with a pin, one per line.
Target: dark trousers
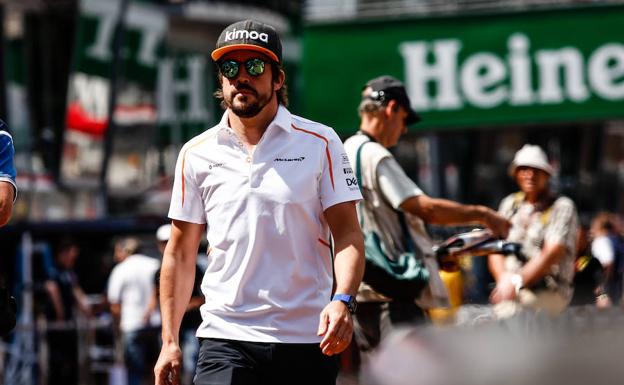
(228, 362)
(141, 349)
(63, 357)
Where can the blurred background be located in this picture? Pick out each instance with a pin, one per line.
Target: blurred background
(100, 95)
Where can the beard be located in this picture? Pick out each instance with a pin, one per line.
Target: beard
(245, 105)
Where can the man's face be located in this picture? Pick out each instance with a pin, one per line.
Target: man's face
(244, 94)
(531, 180)
(395, 125)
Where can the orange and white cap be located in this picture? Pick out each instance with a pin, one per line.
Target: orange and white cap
(249, 35)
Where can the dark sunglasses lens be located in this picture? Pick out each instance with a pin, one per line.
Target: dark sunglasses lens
(229, 68)
(255, 67)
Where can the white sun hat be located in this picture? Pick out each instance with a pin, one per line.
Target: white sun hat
(530, 156)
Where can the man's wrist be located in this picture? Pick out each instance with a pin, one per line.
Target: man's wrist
(517, 281)
(348, 300)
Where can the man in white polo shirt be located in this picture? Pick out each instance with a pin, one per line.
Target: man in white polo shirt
(272, 192)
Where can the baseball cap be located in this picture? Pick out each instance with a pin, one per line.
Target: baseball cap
(389, 88)
(530, 155)
(163, 233)
(249, 35)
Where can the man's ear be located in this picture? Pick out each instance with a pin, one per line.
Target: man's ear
(279, 82)
(390, 107)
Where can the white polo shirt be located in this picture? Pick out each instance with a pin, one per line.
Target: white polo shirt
(269, 271)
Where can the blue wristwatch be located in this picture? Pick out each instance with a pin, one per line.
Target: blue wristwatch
(348, 300)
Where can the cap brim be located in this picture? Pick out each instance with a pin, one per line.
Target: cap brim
(219, 52)
(412, 117)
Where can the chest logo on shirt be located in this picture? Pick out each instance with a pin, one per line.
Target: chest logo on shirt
(298, 159)
(347, 170)
(215, 165)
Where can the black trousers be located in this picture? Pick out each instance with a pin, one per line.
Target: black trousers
(228, 362)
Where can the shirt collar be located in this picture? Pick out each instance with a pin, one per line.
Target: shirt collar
(282, 119)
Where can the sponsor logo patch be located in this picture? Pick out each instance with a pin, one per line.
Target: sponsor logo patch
(215, 165)
(345, 158)
(236, 34)
(298, 159)
(351, 181)
(347, 170)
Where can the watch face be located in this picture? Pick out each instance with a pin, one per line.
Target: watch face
(352, 305)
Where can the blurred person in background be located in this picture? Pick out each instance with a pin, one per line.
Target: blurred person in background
(8, 188)
(266, 189)
(546, 227)
(385, 113)
(192, 317)
(65, 296)
(589, 275)
(130, 287)
(608, 247)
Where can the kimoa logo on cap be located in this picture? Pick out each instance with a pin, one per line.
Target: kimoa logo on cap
(245, 34)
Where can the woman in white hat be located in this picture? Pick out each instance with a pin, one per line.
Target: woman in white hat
(545, 225)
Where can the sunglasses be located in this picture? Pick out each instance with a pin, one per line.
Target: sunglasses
(230, 68)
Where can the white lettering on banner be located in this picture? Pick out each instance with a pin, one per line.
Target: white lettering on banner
(169, 89)
(485, 80)
(606, 66)
(244, 34)
(550, 64)
(481, 76)
(520, 65)
(444, 71)
(147, 20)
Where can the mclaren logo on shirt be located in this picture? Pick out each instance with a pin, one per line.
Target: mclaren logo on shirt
(298, 159)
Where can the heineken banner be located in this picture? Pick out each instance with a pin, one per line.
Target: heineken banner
(472, 71)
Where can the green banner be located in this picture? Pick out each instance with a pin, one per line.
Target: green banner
(563, 65)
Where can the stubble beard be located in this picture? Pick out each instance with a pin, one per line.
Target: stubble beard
(244, 108)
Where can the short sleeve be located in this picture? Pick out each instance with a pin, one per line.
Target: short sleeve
(338, 183)
(113, 292)
(394, 184)
(186, 199)
(562, 224)
(602, 249)
(7, 167)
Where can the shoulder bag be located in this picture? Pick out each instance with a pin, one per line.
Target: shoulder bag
(402, 278)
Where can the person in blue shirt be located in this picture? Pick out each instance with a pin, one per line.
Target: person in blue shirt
(8, 188)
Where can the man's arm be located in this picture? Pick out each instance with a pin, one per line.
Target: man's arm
(7, 193)
(336, 324)
(54, 293)
(178, 265)
(82, 301)
(534, 270)
(446, 212)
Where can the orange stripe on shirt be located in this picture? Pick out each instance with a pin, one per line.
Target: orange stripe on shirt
(327, 153)
(184, 161)
(324, 242)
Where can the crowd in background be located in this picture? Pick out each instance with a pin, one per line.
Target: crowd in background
(132, 303)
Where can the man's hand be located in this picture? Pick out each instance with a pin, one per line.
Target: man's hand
(169, 365)
(498, 224)
(505, 290)
(336, 327)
